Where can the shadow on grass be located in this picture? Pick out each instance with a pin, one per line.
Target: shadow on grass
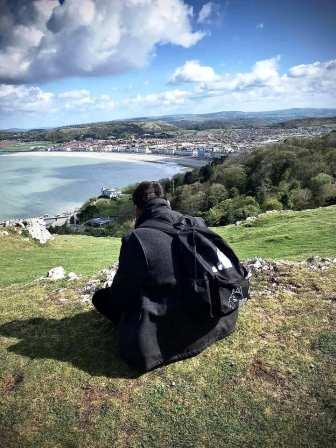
(86, 340)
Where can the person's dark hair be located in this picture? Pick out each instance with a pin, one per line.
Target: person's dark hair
(146, 191)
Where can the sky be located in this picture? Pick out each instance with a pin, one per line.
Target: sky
(73, 61)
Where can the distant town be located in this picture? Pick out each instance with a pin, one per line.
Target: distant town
(205, 144)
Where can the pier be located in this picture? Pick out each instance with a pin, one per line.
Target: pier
(57, 220)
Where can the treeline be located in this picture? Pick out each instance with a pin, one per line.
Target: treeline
(296, 174)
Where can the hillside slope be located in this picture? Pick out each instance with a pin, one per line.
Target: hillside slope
(288, 235)
(291, 235)
(271, 383)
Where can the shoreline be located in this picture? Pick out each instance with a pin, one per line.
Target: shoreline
(185, 161)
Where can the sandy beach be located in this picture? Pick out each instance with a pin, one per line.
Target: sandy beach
(117, 156)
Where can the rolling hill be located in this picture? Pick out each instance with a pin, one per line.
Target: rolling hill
(271, 383)
(165, 126)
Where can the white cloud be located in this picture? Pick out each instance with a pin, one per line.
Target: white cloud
(305, 85)
(25, 99)
(44, 39)
(260, 26)
(316, 69)
(192, 71)
(22, 99)
(205, 12)
(166, 98)
(83, 100)
(263, 73)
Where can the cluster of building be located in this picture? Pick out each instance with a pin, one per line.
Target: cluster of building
(207, 144)
(249, 138)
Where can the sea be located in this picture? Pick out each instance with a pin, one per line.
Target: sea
(34, 184)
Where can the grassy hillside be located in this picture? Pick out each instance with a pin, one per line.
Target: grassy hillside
(25, 260)
(23, 146)
(120, 128)
(289, 235)
(270, 384)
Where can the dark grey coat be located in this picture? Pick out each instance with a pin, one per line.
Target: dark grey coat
(146, 276)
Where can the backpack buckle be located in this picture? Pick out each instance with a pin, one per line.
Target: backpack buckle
(183, 224)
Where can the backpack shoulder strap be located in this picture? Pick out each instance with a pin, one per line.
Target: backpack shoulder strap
(175, 229)
(164, 227)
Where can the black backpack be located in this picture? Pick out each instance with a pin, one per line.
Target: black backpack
(211, 280)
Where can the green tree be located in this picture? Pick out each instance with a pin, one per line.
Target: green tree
(216, 194)
(88, 212)
(190, 177)
(232, 210)
(300, 198)
(178, 180)
(271, 203)
(191, 199)
(233, 176)
(206, 172)
(321, 187)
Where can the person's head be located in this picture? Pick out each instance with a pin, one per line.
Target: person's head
(144, 192)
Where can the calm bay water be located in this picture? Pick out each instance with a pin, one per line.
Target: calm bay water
(35, 184)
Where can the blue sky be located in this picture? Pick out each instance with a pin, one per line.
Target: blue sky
(91, 60)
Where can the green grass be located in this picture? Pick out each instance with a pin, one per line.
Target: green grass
(23, 261)
(296, 235)
(292, 235)
(23, 146)
(270, 384)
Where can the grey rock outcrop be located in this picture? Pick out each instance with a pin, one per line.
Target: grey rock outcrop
(37, 230)
(313, 263)
(35, 227)
(104, 280)
(56, 273)
(72, 276)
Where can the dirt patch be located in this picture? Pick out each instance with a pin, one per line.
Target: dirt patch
(265, 373)
(95, 401)
(11, 382)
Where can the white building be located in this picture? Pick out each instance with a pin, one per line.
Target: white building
(109, 192)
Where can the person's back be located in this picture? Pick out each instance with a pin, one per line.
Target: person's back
(144, 299)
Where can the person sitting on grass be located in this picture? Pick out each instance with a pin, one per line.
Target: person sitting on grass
(146, 299)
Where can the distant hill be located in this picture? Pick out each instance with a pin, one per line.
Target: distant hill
(15, 130)
(307, 122)
(235, 119)
(233, 116)
(170, 125)
(100, 130)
